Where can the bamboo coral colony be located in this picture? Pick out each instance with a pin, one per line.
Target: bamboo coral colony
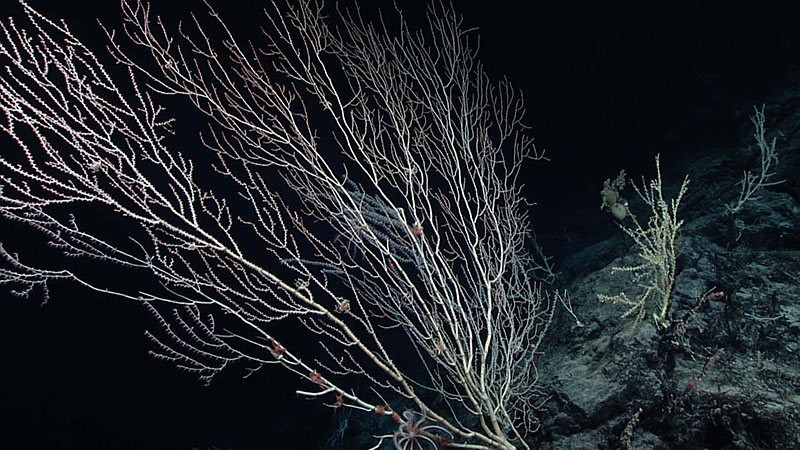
(427, 204)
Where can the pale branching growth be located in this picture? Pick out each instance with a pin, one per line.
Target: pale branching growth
(657, 246)
(405, 215)
(755, 180)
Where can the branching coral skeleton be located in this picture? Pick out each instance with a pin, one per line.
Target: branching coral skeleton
(425, 186)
